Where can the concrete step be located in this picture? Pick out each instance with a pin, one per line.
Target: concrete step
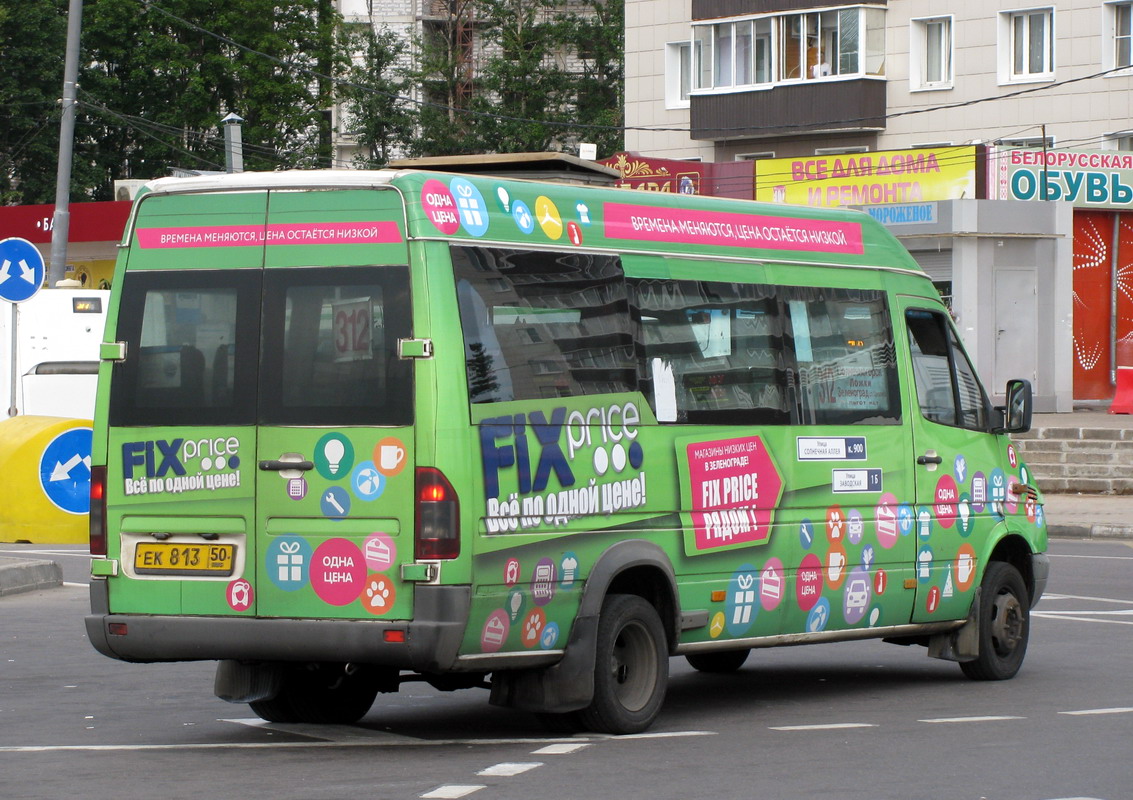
(1088, 460)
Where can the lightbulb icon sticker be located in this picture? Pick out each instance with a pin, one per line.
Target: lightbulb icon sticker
(334, 456)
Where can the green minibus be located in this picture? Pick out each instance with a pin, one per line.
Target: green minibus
(356, 428)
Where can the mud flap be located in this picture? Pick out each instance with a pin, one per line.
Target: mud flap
(241, 682)
(562, 687)
(962, 644)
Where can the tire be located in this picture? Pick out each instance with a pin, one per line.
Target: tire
(718, 661)
(324, 694)
(1004, 624)
(631, 667)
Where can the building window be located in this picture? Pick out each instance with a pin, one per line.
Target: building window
(930, 46)
(1027, 45)
(1119, 26)
(763, 50)
(1035, 142)
(837, 151)
(678, 74)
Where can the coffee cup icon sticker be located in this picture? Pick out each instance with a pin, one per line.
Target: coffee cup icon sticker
(389, 456)
(965, 568)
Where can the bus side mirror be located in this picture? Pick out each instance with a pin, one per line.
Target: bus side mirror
(1017, 411)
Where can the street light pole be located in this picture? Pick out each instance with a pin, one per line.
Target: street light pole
(62, 222)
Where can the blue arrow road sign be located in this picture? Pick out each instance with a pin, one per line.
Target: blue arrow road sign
(21, 270)
(64, 470)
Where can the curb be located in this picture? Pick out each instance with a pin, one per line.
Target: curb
(1096, 531)
(21, 575)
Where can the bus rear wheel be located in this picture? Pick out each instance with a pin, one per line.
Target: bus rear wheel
(631, 670)
(1004, 624)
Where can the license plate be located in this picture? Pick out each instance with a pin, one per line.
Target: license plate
(179, 558)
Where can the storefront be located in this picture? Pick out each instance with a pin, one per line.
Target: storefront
(94, 233)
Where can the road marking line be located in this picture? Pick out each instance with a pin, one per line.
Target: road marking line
(970, 719)
(560, 749)
(1082, 619)
(1118, 612)
(667, 735)
(1085, 597)
(453, 791)
(1091, 711)
(829, 727)
(509, 769)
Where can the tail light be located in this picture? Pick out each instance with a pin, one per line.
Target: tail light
(98, 511)
(436, 516)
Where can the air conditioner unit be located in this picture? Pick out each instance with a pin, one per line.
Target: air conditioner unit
(126, 190)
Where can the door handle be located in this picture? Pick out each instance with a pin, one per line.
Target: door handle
(275, 465)
(929, 458)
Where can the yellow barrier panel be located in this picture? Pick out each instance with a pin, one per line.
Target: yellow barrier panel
(45, 492)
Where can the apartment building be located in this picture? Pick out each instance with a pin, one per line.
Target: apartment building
(992, 133)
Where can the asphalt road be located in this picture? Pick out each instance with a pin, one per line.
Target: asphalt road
(855, 720)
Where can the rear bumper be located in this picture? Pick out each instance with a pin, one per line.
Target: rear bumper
(432, 637)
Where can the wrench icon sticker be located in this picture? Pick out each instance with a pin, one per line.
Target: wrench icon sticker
(335, 503)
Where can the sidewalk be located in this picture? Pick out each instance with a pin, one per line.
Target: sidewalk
(1089, 516)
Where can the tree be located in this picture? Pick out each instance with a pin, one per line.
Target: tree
(157, 83)
(598, 85)
(374, 96)
(32, 43)
(521, 80)
(444, 75)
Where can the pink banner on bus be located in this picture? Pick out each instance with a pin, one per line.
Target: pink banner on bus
(384, 232)
(686, 226)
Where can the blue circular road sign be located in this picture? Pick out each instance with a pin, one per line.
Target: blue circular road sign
(64, 470)
(21, 270)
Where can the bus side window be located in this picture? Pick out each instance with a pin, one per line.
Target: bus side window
(948, 390)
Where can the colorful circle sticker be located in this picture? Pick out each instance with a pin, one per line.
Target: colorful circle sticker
(932, 602)
(297, 488)
(965, 517)
(979, 491)
(857, 596)
(511, 572)
(945, 505)
(997, 486)
(924, 564)
(906, 519)
(516, 601)
(888, 523)
(574, 234)
(960, 468)
(716, 627)
(470, 205)
(835, 523)
(367, 482)
(547, 215)
(1012, 456)
(495, 631)
(543, 582)
(379, 595)
(380, 551)
(855, 526)
(335, 502)
(835, 565)
(771, 583)
(389, 456)
(338, 572)
(880, 582)
(288, 562)
(524, 219)
(240, 595)
(818, 617)
(806, 534)
(1012, 500)
(533, 627)
(440, 206)
(334, 456)
(924, 522)
(965, 567)
(808, 585)
(568, 571)
(550, 636)
(742, 606)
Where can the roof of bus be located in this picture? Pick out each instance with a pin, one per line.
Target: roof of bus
(485, 208)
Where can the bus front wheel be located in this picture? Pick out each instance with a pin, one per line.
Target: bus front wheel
(631, 671)
(1004, 624)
